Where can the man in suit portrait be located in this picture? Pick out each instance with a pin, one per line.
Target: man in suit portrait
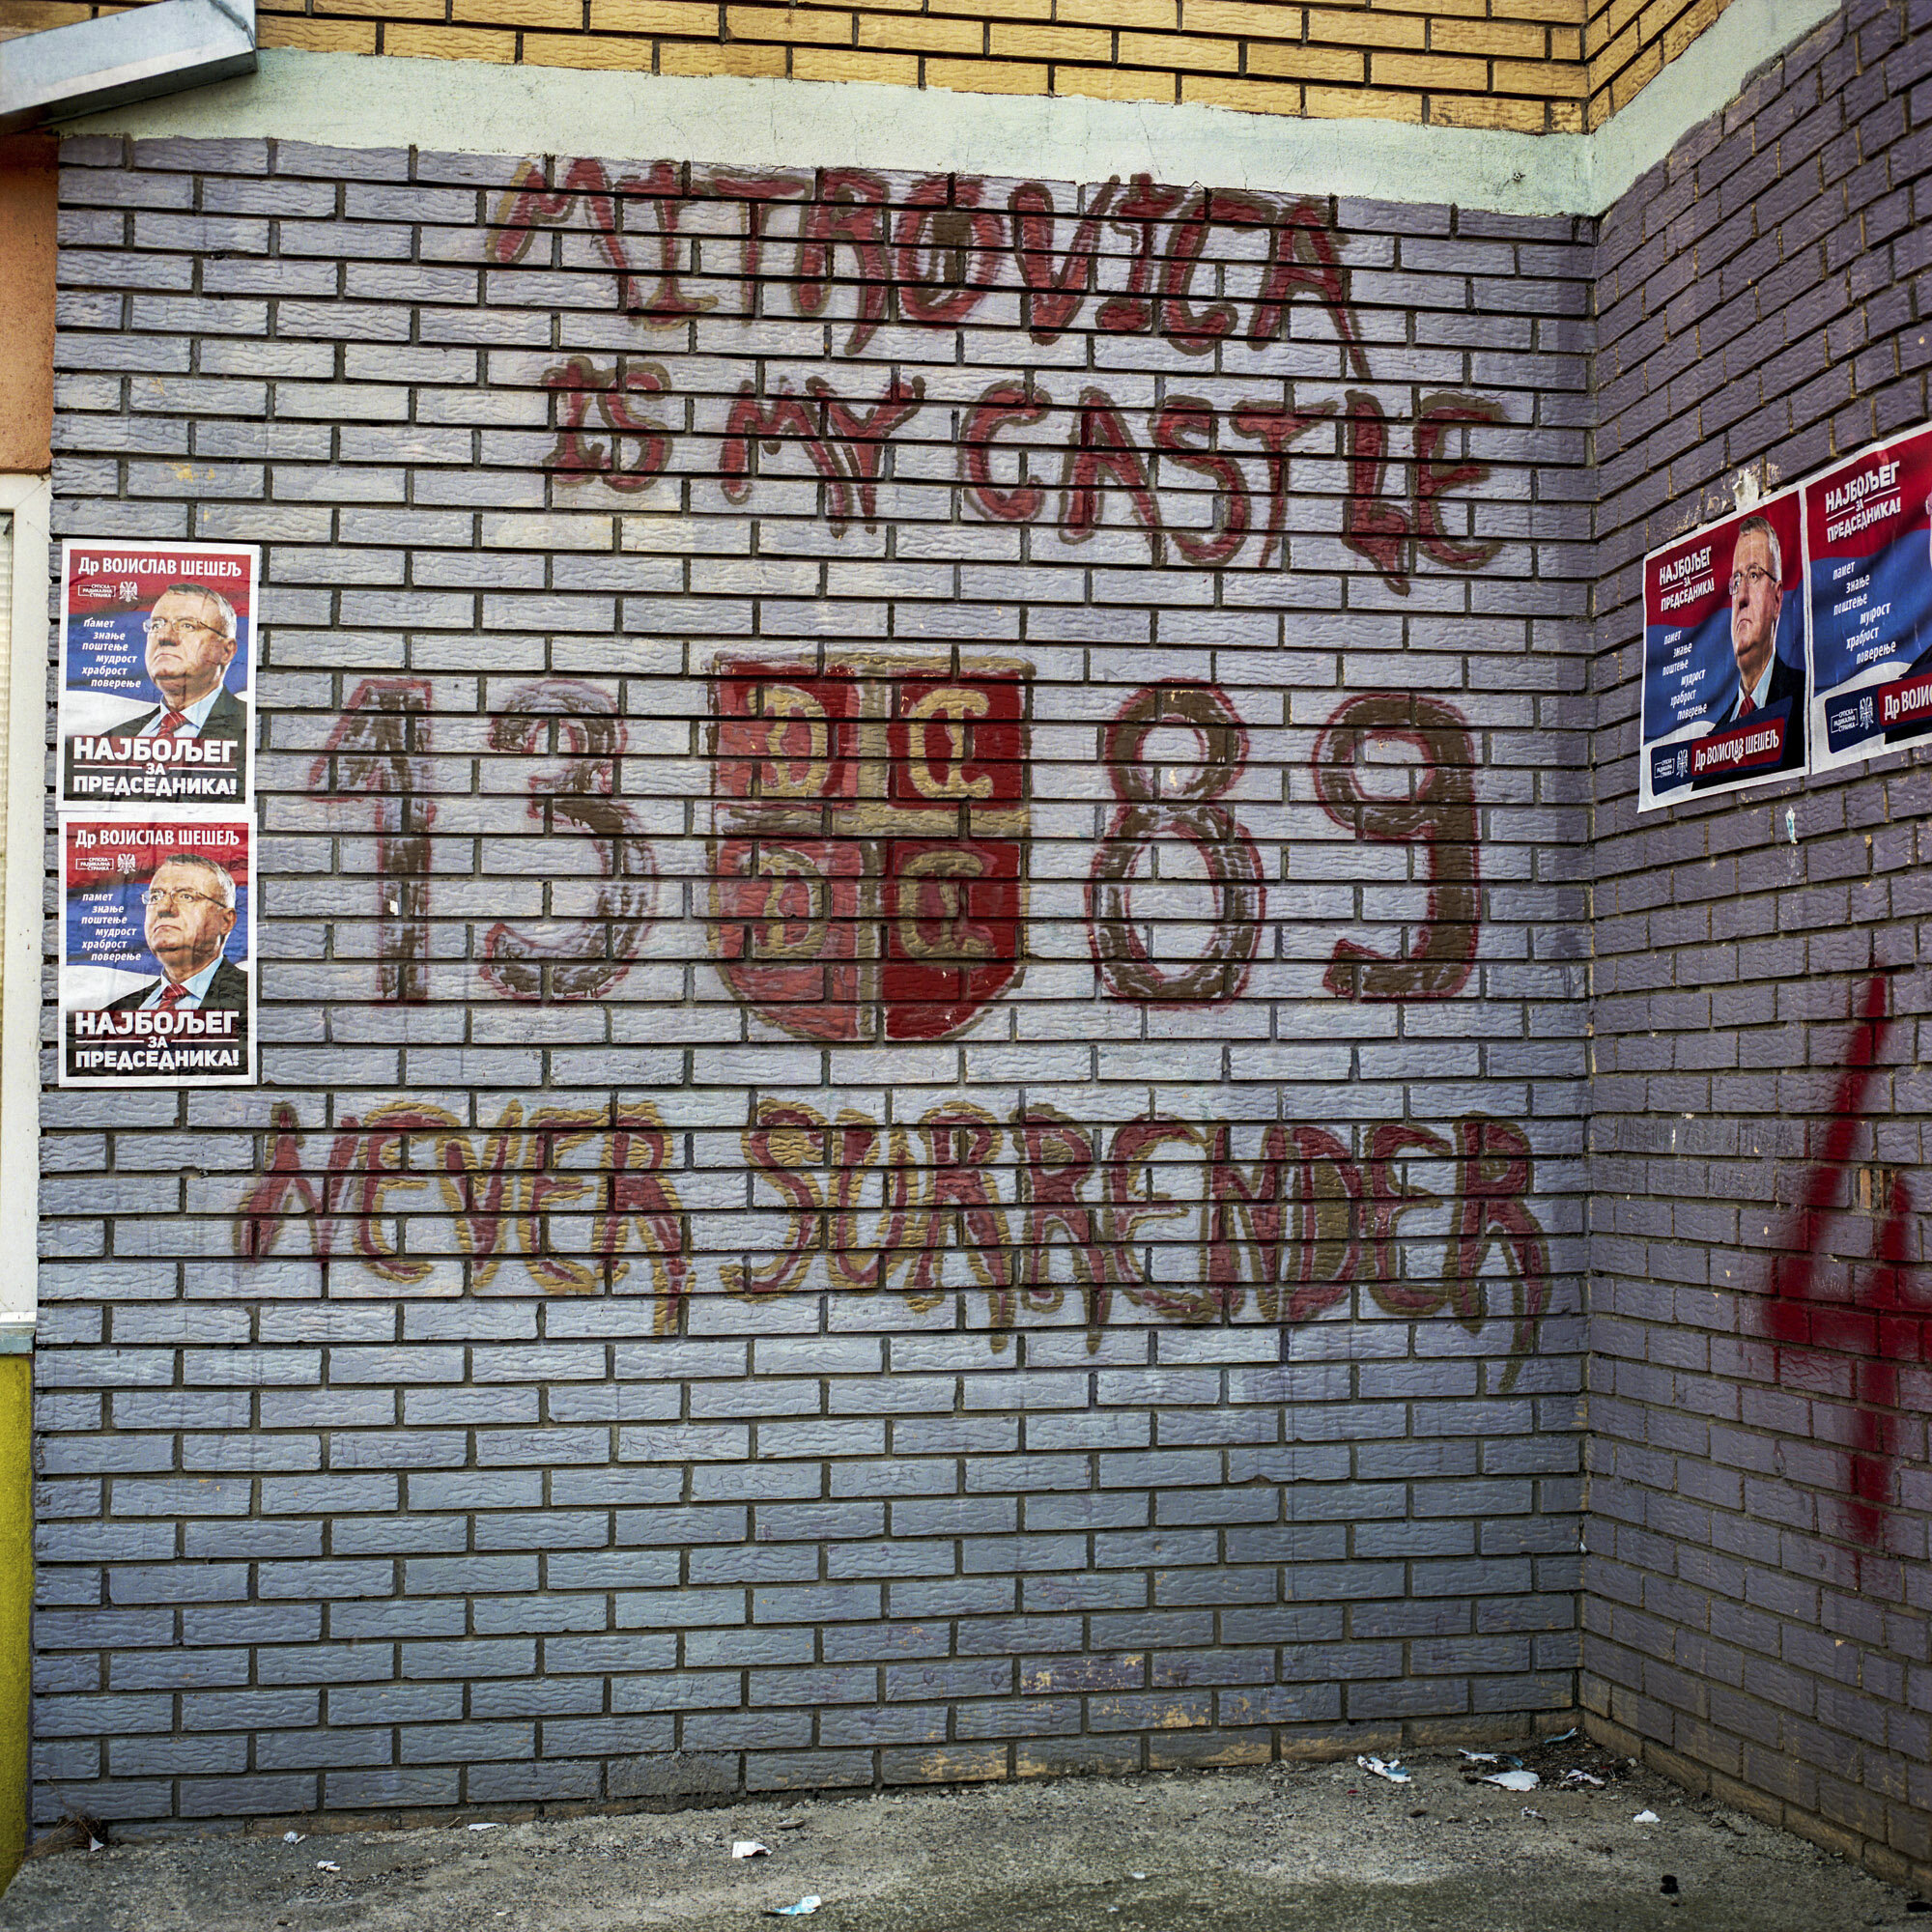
(191, 642)
(1758, 595)
(190, 912)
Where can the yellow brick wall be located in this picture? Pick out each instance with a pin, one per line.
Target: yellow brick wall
(1535, 65)
(1515, 64)
(1628, 42)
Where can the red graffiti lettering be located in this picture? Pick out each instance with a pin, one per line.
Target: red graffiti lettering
(1441, 416)
(1372, 525)
(385, 1152)
(1494, 1179)
(1142, 207)
(754, 425)
(1003, 403)
(534, 203)
(639, 446)
(1301, 255)
(861, 440)
(1132, 1202)
(1103, 453)
(1300, 1225)
(645, 1208)
(1160, 804)
(509, 1195)
(1058, 1159)
(1196, 330)
(930, 258)
(285, 1190)
(1313, 1253)
(961, 1143)
(899, 1230)
(1275, 426)
(757, 192)
(485, 1192)
(664, 186)
(785, 1140)
(553, 1133)
(948, 255)
(1388, 1200)
(1188, 416)
(1843, 1330)
(849, 213)
(1054, 295)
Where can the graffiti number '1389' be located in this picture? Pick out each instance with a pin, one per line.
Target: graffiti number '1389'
(1439, 814)
(1184, 807)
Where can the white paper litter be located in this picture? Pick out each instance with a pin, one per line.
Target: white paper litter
(96, 1845)
(1513, 1780)
(326, 1864)
(1646, 1818)
(1481, 1757)
(1581, 1777)
(291, 1838)
(749, 1848)
(492, 1826)
(1137, 1874)
(810, 1902)
(1388, 1768)
(1562, 1737)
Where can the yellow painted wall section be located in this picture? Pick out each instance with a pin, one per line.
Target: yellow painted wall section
(16, 1595)
(1510, 64)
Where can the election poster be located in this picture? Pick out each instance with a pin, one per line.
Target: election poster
(158, 655)
(1723, 656)
(156, 962)
(1868, 553)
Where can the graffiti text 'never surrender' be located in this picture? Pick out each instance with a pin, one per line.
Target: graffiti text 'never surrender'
(1192, 1223)
(1127, 265)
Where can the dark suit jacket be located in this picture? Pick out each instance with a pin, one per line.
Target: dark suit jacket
(227, 993)
(227, 717)
(1787, 681)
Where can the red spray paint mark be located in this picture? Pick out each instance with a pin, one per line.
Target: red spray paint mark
(1871, 1325)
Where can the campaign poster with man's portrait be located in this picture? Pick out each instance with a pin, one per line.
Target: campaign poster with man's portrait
(1723, 656)
(157, 967)
(1868, 550)
(158, 655)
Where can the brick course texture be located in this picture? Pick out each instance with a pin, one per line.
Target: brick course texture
(1756, 1593)
(1510, 64)
(923, 987)
(1627, 44)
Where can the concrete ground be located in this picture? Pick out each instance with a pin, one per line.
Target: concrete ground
(1326, 1847)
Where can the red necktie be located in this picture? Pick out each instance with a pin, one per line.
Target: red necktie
(1747, 704)
(168, 724)
(171, 997)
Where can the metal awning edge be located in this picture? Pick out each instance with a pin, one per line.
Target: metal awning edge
(94, 65)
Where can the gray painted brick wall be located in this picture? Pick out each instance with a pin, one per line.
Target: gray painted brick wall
(393, 1504)
(1754, 1594)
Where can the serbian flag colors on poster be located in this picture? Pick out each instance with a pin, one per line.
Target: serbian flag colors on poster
(157, 956)
(158, 657)
(1868, 554)
(1723, 656)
